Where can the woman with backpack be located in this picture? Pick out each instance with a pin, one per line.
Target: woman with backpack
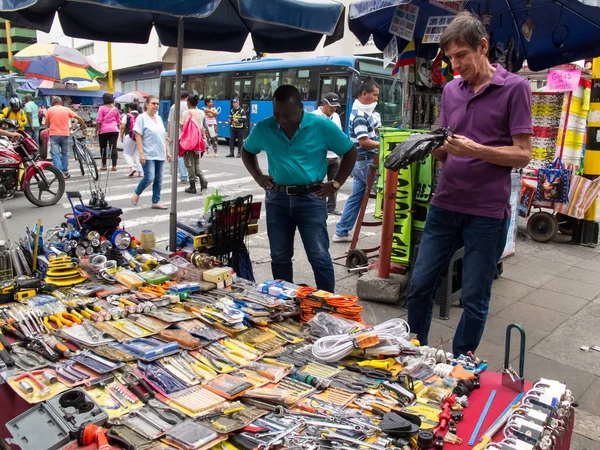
(128, 139)
(107, 127)
(191, 143)
(150, 138)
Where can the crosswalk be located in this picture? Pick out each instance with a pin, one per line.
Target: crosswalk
(230, 180)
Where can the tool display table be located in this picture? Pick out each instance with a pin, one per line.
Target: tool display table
(504, 396)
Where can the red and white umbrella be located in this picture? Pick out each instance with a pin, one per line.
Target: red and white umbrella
(131, 96)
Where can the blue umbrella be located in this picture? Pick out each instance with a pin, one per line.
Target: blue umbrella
(563, 30)
(275, 26)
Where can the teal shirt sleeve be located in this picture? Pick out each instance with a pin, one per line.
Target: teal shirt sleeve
(336, 140)
(253, 143)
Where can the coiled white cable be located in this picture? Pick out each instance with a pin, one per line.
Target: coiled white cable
(336, 347)
(443, 370)
(438, 354)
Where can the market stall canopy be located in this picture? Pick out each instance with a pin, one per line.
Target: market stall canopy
(55, 62)
(546, 33)
(275, 25)
(46, 92)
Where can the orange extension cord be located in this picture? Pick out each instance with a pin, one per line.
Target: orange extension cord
(313, 302)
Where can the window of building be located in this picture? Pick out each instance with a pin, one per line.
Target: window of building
(215, 87)
(87, 50)
(265, 84)
(128, 86)
(150, 86)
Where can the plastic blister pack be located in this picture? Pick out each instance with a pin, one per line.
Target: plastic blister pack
(191, 435)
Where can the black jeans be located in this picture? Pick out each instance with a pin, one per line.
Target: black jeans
(236, 134)
(108, 140)
(333, 166)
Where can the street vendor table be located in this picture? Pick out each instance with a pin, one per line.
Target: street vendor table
(13, 405)
(504, 396)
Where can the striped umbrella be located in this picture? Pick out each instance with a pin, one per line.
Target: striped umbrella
(55, 62)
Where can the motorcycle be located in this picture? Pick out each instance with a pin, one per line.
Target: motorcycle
(21, 171)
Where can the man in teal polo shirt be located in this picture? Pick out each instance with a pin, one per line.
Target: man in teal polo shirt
(296, 145)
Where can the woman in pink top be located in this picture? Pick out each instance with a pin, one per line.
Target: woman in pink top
(107, 127)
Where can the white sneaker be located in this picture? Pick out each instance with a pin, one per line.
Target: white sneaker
(337, 238)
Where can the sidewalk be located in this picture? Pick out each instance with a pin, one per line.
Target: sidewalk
(552, 290)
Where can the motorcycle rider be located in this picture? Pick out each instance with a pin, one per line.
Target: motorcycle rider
(9, 134)
(15, 112)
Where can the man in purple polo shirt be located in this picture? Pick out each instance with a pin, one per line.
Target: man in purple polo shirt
(489, 110)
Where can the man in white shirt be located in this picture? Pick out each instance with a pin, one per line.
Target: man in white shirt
(327, 109)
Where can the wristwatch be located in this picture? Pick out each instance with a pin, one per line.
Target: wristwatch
(336, 185)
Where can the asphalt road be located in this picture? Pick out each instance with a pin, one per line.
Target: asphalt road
(227, 174)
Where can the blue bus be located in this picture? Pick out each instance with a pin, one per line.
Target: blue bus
(254, 81)
(8, 87)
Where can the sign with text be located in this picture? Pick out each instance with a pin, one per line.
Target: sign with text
(390, 52)
(563, 80)
(404, 21)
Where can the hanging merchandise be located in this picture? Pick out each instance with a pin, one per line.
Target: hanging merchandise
(553, 183)
(435, 27)
(404, 21)
(582, 194)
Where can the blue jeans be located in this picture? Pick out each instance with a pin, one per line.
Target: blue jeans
(34, 133)
(153, 174)
(308, 213)
(183, 173)
(445, 232)
(59, 149)
(352, 207)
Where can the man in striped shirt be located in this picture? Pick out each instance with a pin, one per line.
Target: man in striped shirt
(362, 133)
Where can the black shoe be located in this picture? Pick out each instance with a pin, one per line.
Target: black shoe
(231, 155)
(239, 155)
(192, 188)
(203, 187)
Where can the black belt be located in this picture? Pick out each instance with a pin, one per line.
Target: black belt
(365, 157)
(297, 189)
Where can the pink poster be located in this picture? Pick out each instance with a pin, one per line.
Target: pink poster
(563, 80)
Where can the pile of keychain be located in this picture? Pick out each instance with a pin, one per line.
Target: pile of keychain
(124, 348)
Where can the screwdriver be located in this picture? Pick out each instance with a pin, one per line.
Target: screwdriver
(4, 354)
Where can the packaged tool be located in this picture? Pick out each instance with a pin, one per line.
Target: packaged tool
(195, 400)
(37, 386)
(228, 386)
(180, 369)
(232, 416)
(133, 329)
(113, 353)
(135, 441)
(87, 334)
(191, 435)
(149, 349)
(146, 422)
(182, 337)
(96, 363)
(159, 378)
(271, 369)
(154, 277)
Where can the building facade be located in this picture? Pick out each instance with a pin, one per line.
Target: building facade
(20, 38)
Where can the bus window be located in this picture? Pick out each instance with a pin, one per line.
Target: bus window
(167, 86)
(195, 85)
(391, 91)
(301, 79)
(215, 86)
(265, 84)
(341, 88)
